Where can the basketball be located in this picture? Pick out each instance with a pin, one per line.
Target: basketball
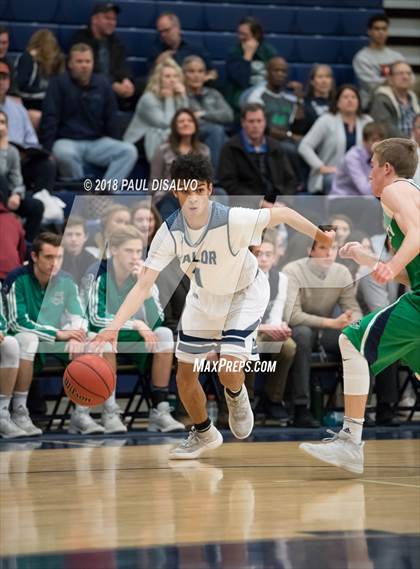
(89, 380)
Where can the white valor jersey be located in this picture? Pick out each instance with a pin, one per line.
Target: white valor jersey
(216, 257)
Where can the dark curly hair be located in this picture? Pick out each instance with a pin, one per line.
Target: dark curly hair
(192, 167)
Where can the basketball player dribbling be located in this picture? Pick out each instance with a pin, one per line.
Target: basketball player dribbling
(391, 333)
(227, 298)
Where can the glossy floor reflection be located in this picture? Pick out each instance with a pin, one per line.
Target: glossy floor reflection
(250, 505)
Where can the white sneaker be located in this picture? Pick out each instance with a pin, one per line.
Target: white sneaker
(9, 429)
(339, 450)
(111, 421)
(161, 420)
(196, 444)
(241, 417)
(81, 423)
(22, 419)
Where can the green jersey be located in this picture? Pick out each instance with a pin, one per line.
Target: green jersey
(42, 311)
(105, 298)
(396, 237)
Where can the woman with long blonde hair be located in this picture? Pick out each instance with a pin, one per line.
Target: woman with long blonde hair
(41, 60)
(163, 96)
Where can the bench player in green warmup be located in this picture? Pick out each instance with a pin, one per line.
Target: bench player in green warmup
(391, 333)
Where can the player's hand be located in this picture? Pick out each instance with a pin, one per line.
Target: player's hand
(382, 273)
(75, 348)
(1, 337)
(326, 238)
(352, 250)
(149, 337)
(66, 335)
(107, 336)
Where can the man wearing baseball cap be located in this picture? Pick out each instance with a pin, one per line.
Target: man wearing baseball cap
(110, 58)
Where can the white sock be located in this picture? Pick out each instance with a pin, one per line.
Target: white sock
(5, 401)
(110, 403)
(354, 428)
(81, 409)
(19, 398)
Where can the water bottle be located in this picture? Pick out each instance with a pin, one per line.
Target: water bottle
(212, 408)
(317, 400)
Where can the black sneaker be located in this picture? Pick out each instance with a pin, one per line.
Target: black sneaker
(304, 418)
(276, 411)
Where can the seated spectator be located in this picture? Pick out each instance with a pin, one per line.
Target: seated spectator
(146, 219)
(41, 60)
(283, 106)
(171, 44)
(316, 286)
(343, 227)
(12, 189)
(395, 105)
(352, 177)
(109, 52)
(274, 334)
(209, 106)
(76, 259)
(416, 136)
(9, 388)
(253, 164)
(78, 118)
(163, 96)
(142, 334)
(4, 48)
(115, 217)
(371, 63)
(183, 139)
(331, 136)
(320, 93)
(38, 167)
(44, 307)
(12, 239)
(246, 63)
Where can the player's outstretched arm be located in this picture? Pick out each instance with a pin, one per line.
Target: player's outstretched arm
(404, 203)
(134, 300)
(296, 221)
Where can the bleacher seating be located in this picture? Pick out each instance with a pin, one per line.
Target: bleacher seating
(331, 32)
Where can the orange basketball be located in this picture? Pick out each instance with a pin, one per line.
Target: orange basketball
(89, 380)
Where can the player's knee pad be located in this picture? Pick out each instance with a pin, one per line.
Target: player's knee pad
(9, 353)
(355, 368)
(165, 339)
(28, 344)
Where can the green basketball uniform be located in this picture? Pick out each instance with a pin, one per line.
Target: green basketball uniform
(392, 333)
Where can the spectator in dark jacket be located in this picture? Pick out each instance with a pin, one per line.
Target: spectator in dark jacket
(78, 120)
(41, 60)
(171, 44)
(246, 64)
(253, 164)
(109, 52)
(76, 259)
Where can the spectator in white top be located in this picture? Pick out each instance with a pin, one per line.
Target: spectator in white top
(371, 63)
(164, 94)
(331, 136)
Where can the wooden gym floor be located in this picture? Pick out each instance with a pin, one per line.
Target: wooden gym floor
(118, 503)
